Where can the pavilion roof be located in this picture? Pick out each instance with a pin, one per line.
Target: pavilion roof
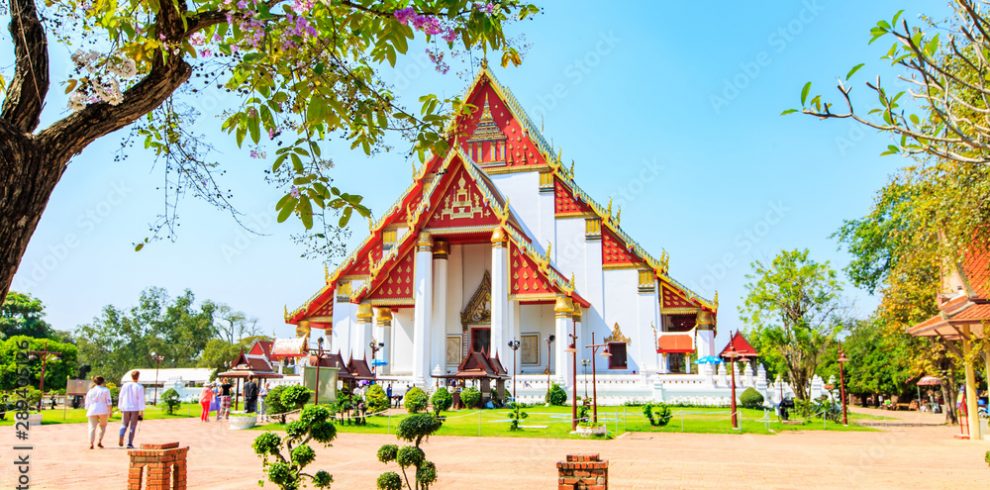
(675, 344)
(478, 365)
(359, 369)
(970, 308)
(739, 346)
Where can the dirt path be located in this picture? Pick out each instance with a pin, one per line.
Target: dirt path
(911, 451)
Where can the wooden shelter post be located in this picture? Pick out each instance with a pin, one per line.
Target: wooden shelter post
(971, 409)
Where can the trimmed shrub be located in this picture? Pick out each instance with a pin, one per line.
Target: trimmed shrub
(659, 415)
(471, 397)
(389, 480)
(376, 399)
(556, 396)
(171, 400)
(441, 400)
(751, 398)
(415, 400)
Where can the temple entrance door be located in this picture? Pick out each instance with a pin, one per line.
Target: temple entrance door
(481, 339)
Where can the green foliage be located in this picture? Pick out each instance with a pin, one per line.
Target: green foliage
(658, 414)
(389, 480)
(284, 460)
(556, 396)
(792, 306)
(294, 397)
(171, 400)
(415, 400)
(14, 355)
(417, 427)
(176, 328)
(387, 453)
(23, 314)
(410, 456)
(516, 416)
(376, 399)
(441, 400)
(273, 402)
(426, 474)
(986, 457)
(751, 398)
(471, 397)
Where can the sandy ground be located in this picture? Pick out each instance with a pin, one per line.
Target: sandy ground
(914, 451)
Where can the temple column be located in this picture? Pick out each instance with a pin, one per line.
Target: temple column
(438, 347)
(500, 293)
(975, 434)
(564, 325)
(423, 304)
(361, 335)
(383, 325)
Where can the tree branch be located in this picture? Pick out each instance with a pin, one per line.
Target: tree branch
(26, 94)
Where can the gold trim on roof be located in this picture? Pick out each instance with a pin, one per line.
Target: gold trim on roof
(617, 335)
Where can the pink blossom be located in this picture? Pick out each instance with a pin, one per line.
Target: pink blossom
(450, 35)
(197, 39)
(404, 15)
(303, 6)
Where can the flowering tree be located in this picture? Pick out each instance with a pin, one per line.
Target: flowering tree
(296, 73)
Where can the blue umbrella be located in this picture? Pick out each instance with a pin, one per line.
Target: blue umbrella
(709, 360)
(379, 362)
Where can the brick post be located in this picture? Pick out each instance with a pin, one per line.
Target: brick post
(582, 472)
(157, 467)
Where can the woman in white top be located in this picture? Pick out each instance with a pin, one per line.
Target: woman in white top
(98, 407)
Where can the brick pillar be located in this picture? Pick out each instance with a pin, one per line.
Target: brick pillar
(582, 472)
(157, 467)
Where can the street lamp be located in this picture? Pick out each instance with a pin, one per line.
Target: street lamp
(514, 345)
(842, 384)
(44, 355)
(732, 356)
(550, 340)
(375, 347)
(158, 358)
(585, 363)
(594, 374)
(572, 348)
(319, 361)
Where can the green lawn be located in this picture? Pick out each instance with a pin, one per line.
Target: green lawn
(78, 415)
(555, 422)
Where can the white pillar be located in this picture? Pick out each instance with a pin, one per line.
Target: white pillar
(564, 324)
(421, 315)
(361, 333)
(500, 293)
(438, 335)
(383, 327)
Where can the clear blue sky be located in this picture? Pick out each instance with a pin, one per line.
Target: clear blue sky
(671, 108)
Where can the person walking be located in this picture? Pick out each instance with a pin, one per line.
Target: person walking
(131, 405)
(99, 404)
(262, 394)
(224, 412)
(205, 400)
(250, 396)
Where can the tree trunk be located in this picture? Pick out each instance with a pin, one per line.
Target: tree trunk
(27, 178)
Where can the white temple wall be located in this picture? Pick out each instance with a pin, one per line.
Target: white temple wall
(536, 319)
(456, 292)
(621, 286)
(475, 260)
(570, 250)
(523, 191)
(402, 342)
(643, 336)
(344, 319)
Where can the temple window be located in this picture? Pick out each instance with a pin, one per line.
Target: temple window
(618, 359)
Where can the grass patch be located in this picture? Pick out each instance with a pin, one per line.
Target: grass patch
(554, 422)
(78, 415)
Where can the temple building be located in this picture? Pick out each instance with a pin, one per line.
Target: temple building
(493, 242)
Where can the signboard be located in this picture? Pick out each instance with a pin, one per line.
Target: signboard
(77, 386)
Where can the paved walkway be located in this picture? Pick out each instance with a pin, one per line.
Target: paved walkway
(913, 451)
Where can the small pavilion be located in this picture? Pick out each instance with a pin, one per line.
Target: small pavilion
(963, 318)
(479, 366)
(248, 366)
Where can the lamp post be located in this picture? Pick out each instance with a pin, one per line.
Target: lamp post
(572, 348)
(842, 384)
(550, 340)
(158, 358)
(319, 360)
(44, 354)
(594, 375)
(514, 345)
(585, 363)
(375, 347)
(732, 356)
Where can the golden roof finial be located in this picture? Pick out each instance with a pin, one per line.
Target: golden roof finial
(608, 211)
(326, 273)
(664, 261)
(285, 312)
(572, 169)
(715, 300)
(414, 170)
(502, 220)
(570, 285)
(618, 215)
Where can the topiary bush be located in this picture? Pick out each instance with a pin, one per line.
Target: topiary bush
(441, 400)
(516, 416)
(171, 400)
(751, 398)
(285, 459)
(273, 403)
(986, 458)
(376, 399)
(659, 415)
(471, 397)
(414, 428)
(415, 400)
(556, 396)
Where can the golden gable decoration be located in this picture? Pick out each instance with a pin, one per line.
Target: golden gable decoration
(617, 335)
(479, 308)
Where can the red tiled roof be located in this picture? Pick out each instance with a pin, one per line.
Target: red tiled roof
(976, 268)
(739, 346)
